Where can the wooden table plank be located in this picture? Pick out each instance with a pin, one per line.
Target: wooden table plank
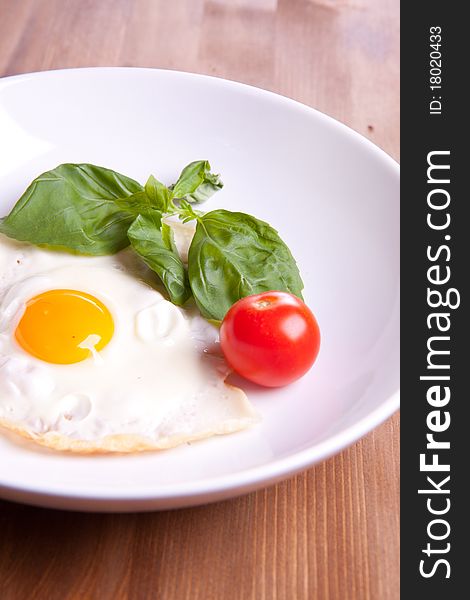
(329, 533)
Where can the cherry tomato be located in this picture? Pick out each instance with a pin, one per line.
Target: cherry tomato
(270, 338)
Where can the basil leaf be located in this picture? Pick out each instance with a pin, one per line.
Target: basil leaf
(137, 204)
(158, 193)
(196, 183)
(233, 255)
(153, 242)
(77, 207)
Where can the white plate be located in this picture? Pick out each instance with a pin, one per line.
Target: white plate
(333, 196)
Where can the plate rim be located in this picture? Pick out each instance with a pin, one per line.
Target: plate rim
(253, 478)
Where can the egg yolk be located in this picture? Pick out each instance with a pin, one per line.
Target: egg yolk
(64, 326)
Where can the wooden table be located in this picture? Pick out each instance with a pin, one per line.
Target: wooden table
(332, 532)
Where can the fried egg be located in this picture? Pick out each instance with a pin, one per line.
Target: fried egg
(94, 359)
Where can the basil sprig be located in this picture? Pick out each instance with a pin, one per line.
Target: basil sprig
(91, 210)
(81, 208)
(196, 183)
(153, 241)
(233, 255)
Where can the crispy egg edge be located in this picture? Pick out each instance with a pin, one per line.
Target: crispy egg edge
(130, 443)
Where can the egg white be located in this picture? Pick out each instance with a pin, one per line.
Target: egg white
(159, 382)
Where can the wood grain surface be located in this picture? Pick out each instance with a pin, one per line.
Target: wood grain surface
(330, 533)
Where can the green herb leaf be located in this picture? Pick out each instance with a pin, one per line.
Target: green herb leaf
(196, 183)
(159, 194)
(187, 213)
(233, 255)
(153, 241)
(77, 207)
(137, 204)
